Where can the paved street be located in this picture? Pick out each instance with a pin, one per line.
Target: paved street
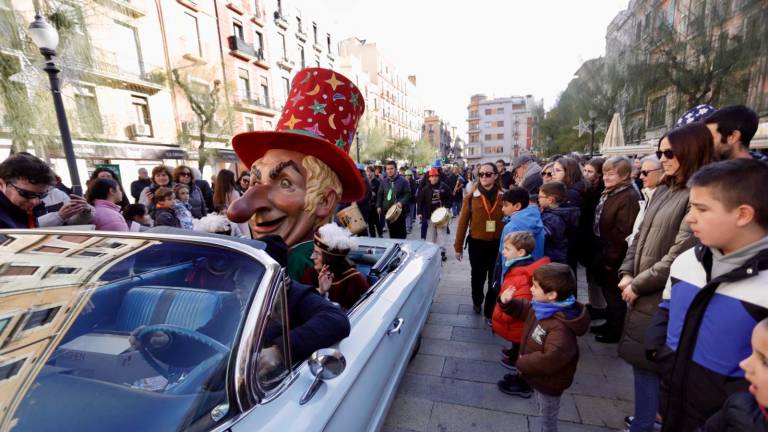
(451, 384)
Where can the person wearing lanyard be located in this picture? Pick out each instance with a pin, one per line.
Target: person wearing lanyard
(481, 214)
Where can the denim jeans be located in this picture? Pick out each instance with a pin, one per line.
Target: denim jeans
(549, 408)
(646, 400)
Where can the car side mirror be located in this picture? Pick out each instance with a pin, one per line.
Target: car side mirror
(326, 363)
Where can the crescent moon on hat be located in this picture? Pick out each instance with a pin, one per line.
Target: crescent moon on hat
(338, 96)
(315, 90)
(330, 121)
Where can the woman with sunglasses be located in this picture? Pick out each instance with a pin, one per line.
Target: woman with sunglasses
(182, 174)
(243, 182)
(546, 173)
(481, 214)
(662, 237)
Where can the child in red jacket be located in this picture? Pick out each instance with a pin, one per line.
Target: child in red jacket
(518, 246)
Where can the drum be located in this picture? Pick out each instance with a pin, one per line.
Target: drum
(352, 219)
(393, 213)
(440, 217)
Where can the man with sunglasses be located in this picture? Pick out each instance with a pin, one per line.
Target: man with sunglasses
(24, 181)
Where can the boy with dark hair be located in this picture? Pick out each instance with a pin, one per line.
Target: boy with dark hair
(165, 214)
(549, 352)
(520, 264)
(715, 294)
(558, 220)
(732, 129)
(394, 191)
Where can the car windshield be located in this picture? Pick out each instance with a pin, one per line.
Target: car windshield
(111, 333)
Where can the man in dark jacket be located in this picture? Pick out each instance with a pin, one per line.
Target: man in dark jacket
(394, 191)
(528, 172)
(138, 185)
(507, 178)
(24, 182)
(372, 217)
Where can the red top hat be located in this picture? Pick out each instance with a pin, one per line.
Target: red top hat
(319, 119)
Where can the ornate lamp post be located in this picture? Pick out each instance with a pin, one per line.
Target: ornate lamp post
(47, 39)
(357, 145)
(592, 126)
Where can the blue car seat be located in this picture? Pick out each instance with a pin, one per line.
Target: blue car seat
(184, 307)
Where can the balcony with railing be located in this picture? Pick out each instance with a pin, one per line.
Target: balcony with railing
(240, 48)
(256, 103)
(118, 71)
(286, 63)
(301, 33)
(280, 20)
(261, 58)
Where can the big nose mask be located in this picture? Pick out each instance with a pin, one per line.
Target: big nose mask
(252, 200)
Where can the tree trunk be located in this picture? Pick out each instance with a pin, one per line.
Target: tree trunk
(201, 157)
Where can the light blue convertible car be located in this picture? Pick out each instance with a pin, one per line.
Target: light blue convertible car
(80, 314)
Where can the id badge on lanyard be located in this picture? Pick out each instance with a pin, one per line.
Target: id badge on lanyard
(490, 223)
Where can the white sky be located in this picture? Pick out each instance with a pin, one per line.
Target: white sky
(457, 49)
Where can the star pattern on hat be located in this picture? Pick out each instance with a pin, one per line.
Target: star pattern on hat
(297, 98)
(315, 129)
(334, 82)
(317, 107)
(340, 143)
(353, 100)
(291, 122)
(695, 114)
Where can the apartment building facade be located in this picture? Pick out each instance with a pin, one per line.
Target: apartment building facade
(500, 128)
(637, 36)
(396, 109)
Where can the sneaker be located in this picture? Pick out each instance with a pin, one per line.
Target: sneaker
(509, 363)
(508, 352)
(515, 387)
(511, 376)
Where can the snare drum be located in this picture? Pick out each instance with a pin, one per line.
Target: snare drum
(352, 219)
(393, 213)
(440, 217)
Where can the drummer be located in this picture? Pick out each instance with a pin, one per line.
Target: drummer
(432, 195)
(394, 192)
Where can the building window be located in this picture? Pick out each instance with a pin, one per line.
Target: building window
(258, 42)
(243, 84)
(129, 59)
(500, 123)
(500, 136)
(51, 249)
(141, 110)
(88, 111)
(286, 87)
(488, 111)
(488, 137)
(237, 30)
(8, 370)
(265, 91)
(658, 112)
(328, 40)
(58, 270)
(298, 24)
(301, 56)
(14, 270)
(74, 238)
(40, 318)
(500, 110)
(191, 32)
(4, 323)
(317, 61)
(314, 32)
(282, 43)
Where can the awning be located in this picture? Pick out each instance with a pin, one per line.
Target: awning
(225, 155)
(135, 151)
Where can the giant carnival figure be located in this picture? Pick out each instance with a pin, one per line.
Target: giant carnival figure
(302, 170)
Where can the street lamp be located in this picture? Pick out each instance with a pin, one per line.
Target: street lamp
(47, 39)
(357, 145)
(592, 126)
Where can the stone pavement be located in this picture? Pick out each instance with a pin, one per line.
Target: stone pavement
(450, 386)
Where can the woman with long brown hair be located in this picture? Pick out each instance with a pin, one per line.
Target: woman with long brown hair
(663, 235)
(224, 194)
(481, 214)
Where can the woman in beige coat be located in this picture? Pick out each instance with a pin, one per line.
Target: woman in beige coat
(662, 237)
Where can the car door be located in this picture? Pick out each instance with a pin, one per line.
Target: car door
(392, 323)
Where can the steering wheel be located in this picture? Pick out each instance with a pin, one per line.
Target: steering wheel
(176, 347)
